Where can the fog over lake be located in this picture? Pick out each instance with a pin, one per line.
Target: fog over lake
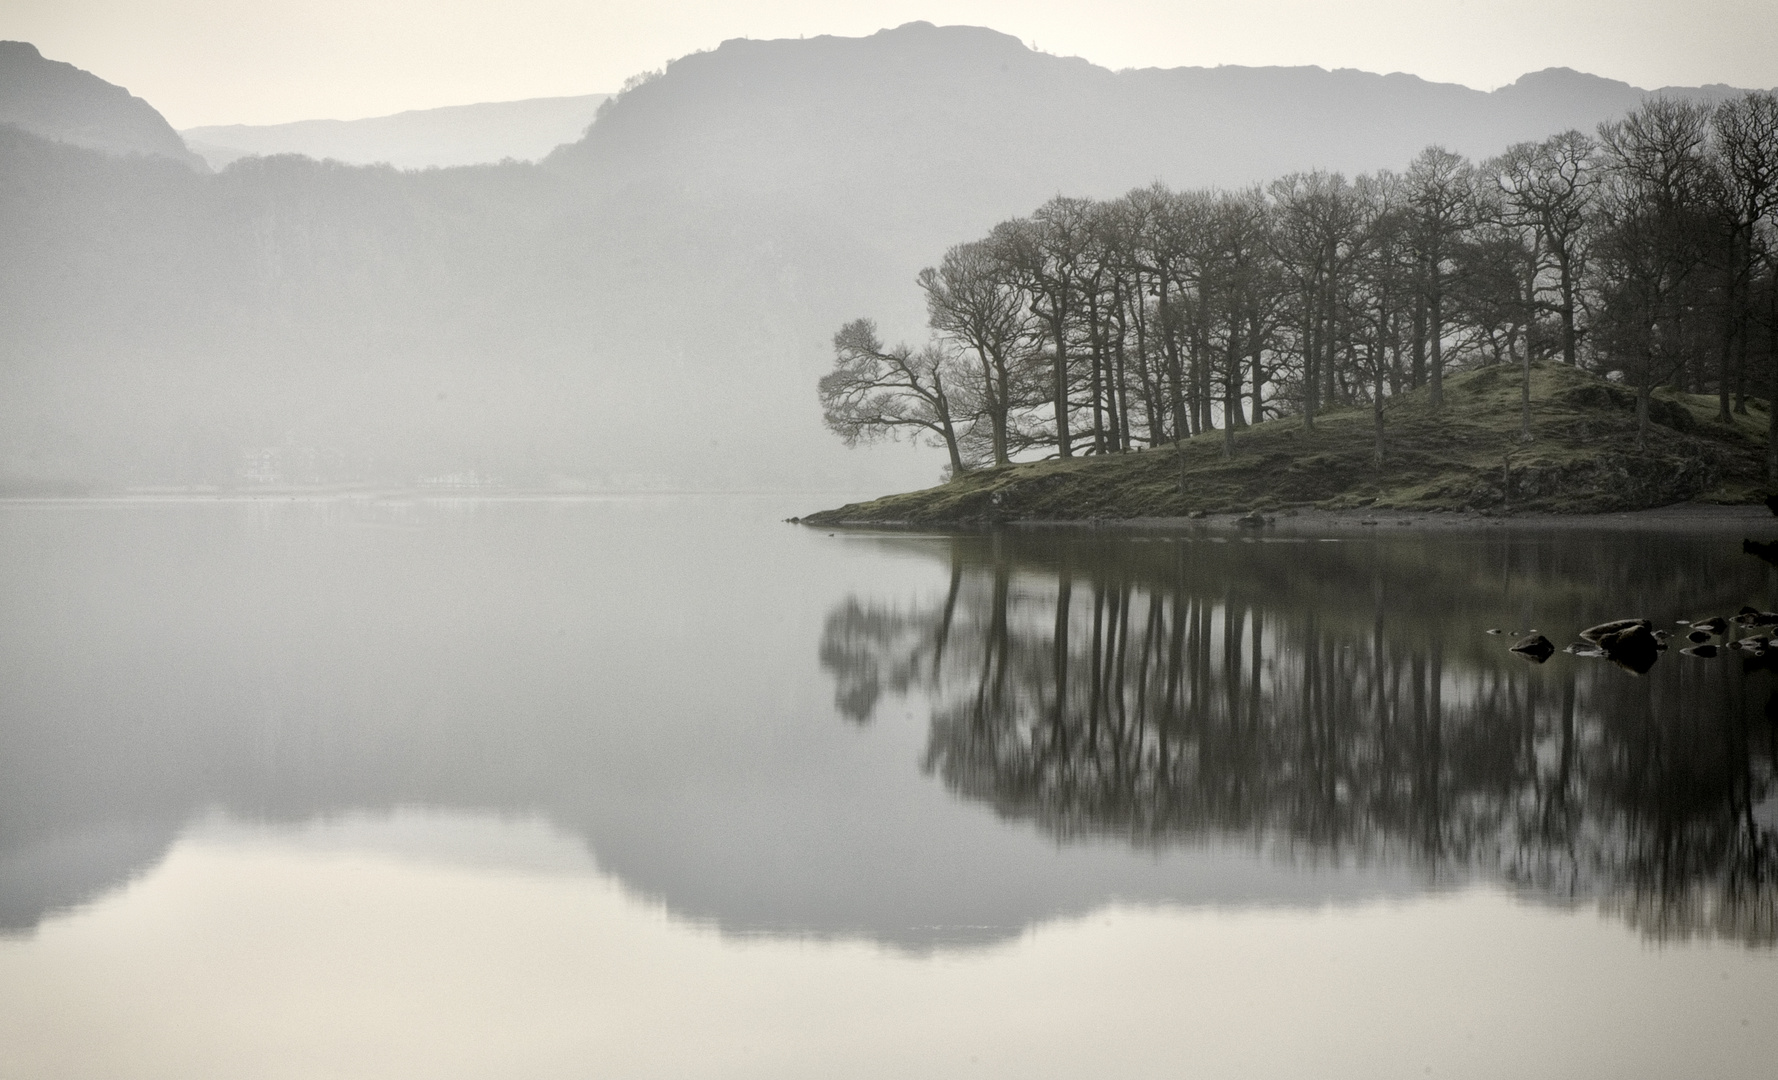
(456, 619)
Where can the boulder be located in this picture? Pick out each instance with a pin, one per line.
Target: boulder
(1534, 647)
(1597, 634)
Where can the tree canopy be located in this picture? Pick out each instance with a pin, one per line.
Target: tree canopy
(1646, 253)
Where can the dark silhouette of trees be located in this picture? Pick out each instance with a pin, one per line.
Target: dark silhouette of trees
(972, 297)
(1648, 255)
(1441, 198)
(1746, 137)
(1384, 296)
(1546, 190)
(1653, 243)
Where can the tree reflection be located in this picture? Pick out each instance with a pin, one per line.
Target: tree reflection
(1339, 701)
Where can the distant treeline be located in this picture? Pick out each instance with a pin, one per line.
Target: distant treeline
(1646, 253)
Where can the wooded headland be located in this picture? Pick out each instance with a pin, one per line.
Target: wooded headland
(1467, 456)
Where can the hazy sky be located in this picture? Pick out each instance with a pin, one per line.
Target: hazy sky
(266, 61)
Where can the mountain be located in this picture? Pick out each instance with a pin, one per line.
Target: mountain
(961, 126)
(61, 102)
(649, 306)
(419, 139)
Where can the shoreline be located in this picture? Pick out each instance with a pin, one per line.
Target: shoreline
(1751, 520)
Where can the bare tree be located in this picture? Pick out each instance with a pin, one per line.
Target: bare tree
(1238, 284)
(1383, 289)
(972, 296)
(1746, 130)
(1652, 239)
(1049, 250)
(1316, 240)
(1547, 188)
(1441, 190)
(874, 393)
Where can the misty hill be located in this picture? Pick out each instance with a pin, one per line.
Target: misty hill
(59, 101)
(957, 127)
(649, 306)
(418, 139)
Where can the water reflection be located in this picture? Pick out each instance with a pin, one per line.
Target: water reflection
(1343, 700)
(639, 675)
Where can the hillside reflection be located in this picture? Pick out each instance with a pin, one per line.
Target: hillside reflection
(1342, 701)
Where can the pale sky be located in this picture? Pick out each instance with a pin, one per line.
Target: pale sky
(269, 61)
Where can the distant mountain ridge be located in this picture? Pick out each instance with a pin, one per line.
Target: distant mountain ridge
(417, 139)
(59, 101)
(978, 113)
(649, 306)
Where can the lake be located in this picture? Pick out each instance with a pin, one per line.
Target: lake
(665, 787)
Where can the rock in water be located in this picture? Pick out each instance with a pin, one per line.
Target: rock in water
(1597, 634)
(1632, 647)
(1534, 647)
(1750, 617)
(1715, 624)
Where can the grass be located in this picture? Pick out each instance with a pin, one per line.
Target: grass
(1582, 458)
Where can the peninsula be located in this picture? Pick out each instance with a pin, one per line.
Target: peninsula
(1582, 458)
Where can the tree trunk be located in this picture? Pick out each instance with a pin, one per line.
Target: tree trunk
(1723, 372)
(1377, 402)
(1311, 356)
(1120, 384)
(1098, 382)
(950, 432)
(1436, 319)
(1418, 378)
(1570, 344)
(1200, 373)
(1525, 397)
(1059, 329)
(948, 429)
(994, 379)
(1151, 399)
(1259, 379)
(1231, 403)
(1000, 404)
(1175, 377)
(1395, 372)
(1772, 359)
(1176, 388)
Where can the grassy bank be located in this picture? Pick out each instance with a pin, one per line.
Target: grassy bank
(1582, 458)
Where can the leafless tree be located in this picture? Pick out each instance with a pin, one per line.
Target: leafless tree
(1441, 191)
(972, 297)
(875, 393)
(1652, 241)
(1746, 137)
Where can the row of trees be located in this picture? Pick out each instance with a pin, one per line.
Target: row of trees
(1647, 252)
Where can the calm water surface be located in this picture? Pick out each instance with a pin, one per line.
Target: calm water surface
(661, 787)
